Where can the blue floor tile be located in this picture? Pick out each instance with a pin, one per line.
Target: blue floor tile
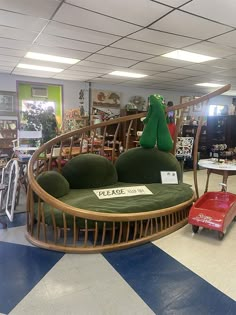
(21, 268)
(19, 220)
(166, 285)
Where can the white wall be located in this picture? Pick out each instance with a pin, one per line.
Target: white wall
(71, 90)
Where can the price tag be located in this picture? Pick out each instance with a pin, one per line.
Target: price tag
(169, 177)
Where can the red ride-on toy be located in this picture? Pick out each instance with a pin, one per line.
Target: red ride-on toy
(214, 210)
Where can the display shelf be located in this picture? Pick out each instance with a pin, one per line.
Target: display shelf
(8, 133)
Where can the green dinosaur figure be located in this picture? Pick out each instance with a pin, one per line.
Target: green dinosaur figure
(156, 130)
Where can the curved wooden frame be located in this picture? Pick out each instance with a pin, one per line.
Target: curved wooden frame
(101, 231)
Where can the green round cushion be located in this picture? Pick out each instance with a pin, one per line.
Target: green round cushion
(53, 183)
(139, 165)
(89, 171)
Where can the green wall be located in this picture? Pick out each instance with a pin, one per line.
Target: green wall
(54, 95)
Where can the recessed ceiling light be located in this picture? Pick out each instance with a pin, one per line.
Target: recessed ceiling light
(40, 68)
(210, 84)
(188, 56)
(45, 57)
(128, 74)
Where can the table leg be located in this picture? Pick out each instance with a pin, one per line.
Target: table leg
(225, 178)
(207, 181)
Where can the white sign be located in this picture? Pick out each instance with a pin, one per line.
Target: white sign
(169, 177)
(122, 192)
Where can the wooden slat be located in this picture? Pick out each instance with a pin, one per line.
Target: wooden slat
(103, 233)
(120, 233)
(95, 234)
(54, 224)
(135, 230)
(113, 232)
(64, 228)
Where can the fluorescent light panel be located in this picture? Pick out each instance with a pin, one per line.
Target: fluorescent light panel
(45, 57)
(39, 68)
(128, 74)
(210, 84)
(188, 56)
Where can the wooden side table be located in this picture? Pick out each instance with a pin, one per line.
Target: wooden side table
(224, 169)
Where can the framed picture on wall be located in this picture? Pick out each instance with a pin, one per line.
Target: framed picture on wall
(7, 103)
(105, 105)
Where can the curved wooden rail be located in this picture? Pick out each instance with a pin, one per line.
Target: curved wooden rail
(108, 231)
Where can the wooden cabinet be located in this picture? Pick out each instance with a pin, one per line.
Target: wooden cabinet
(221, 130)
(8, 132)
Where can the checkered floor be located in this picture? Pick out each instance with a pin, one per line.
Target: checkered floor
(179, 274)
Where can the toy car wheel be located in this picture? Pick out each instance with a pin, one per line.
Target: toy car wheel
(221, 235)
(195, 228)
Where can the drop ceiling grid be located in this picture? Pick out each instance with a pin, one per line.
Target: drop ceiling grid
(114, 36)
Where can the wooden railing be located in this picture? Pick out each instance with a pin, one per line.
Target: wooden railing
(108, 231)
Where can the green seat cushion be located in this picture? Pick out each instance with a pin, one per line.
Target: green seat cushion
(53, 183)
(86, 199)
(139, 165)
(89, 171)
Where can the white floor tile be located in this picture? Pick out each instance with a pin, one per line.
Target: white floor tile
(14, 235)
(204, 254)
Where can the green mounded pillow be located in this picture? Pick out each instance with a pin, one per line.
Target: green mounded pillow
(53, 183)
(140, 165)
(89, 171)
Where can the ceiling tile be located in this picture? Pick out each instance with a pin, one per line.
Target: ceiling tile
(211, 49)
(171, 75)
(162, 38)
(55, 41)
(10, 64)
(173, 3)
(151, 66)
(79, 17)
(169, 62)
(124, 53)
(14, 33)
(22, 21)
(228, 39)
(141, 12)
(81, 74)
(78, 33)
(15, 44)
(204, 68)
(217, 10)
(187, 72)
(9, 58)
(222, 63)
(57, 51)
(78, 67)
(44, 63)
(42, 8)
(111, 60)
(28, 72)
(140, 46)
(8, 52)
(190, 25)
(87, 63)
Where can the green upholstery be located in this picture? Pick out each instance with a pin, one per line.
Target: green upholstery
(53, 183)
(89, 171)
(86, 199)
(139, 165)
